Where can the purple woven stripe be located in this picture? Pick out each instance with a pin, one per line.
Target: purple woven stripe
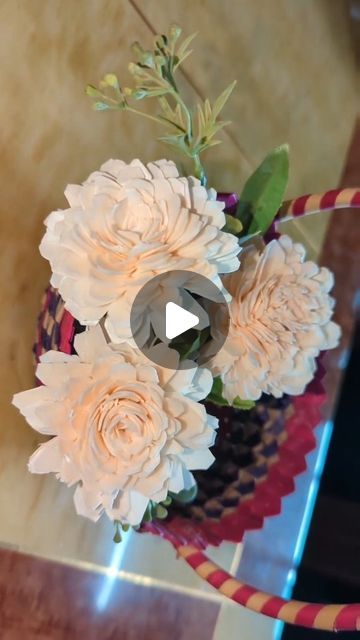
(231, 201)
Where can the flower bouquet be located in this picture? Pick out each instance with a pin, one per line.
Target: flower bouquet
(193, 435)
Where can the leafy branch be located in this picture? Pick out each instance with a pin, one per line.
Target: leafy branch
(190, 131)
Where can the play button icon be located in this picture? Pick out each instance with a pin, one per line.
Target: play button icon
(178, 320)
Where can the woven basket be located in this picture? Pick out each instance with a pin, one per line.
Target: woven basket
(258, 454)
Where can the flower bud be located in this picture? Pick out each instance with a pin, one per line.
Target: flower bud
(111, 80)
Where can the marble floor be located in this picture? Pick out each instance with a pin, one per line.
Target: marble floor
(42, 600)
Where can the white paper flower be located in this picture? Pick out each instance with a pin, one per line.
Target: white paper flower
(279, 322)
(126, 224)
(125, 430)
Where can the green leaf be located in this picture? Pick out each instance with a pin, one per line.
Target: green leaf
(186, 495)
(181, 60)
(177, 142)
(155, 93)
(208, 145)
(207, 110)
(216, 397)
(147, 517)
(92, 91)
(264, 192)
(190, 349)
(243, 404)
(201, 118)
(185, 44)
(172, 124)
(222, 99)
(243, 239)
(215, 394)
(233, 225)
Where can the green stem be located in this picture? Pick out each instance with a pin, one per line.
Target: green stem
(199, 170)
(146, 115)
(187, 114)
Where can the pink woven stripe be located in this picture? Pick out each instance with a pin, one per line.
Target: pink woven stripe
(67, 331)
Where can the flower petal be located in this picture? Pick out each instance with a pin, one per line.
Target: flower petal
(279, 321)
(128, 507)
(47, 458)
(90, 344)
(87, 503)
(200, 459)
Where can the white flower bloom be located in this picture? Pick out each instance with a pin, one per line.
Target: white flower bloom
(126, 431)
(126, 224)
(279, 322)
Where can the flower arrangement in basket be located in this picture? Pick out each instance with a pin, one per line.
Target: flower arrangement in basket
(193, 431)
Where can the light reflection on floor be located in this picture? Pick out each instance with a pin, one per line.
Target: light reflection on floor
(306, 520)
(112, 571)
(344, 359)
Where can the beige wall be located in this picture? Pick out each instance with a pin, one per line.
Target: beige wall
(296, 82)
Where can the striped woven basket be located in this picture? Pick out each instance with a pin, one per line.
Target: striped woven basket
(258, 454)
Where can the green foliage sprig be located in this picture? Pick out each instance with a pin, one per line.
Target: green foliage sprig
(189, 130)
(157, 510)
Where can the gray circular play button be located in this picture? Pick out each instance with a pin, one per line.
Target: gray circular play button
(179, 317)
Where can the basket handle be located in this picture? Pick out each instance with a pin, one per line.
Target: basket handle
(309, 204)
(327, 617)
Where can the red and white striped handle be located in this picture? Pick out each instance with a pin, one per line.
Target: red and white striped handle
(328, 617)
(309, 204)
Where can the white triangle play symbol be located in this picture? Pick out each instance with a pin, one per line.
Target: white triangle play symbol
(178, 320)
